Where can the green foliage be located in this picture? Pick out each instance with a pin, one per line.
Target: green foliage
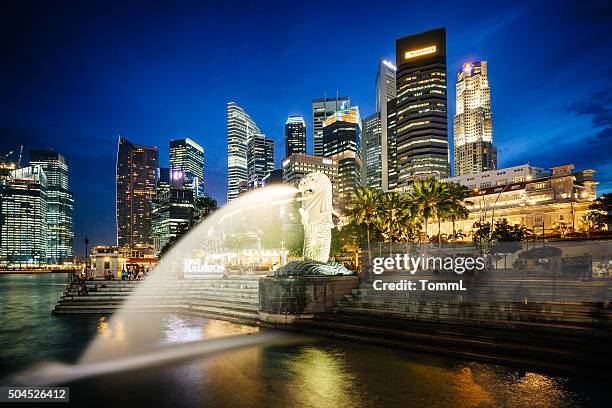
(601, 213)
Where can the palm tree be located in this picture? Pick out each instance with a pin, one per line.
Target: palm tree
(393, 213)
(429, 200)
(363, 208)
(457, 210)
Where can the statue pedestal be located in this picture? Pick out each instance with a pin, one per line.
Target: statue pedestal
(282, 299)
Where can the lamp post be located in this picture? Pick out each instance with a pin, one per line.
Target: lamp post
(86, 241)
(494, 205)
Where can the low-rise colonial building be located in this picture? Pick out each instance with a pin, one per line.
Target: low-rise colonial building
(545, 204)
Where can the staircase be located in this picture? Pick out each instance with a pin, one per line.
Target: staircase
(232, 298)
(494, 329)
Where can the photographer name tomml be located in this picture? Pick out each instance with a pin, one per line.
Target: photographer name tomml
(421, 284)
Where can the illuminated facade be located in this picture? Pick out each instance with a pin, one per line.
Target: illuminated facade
(188, 157)
(385, 92)
(372, 151)
(260, 160)
(473, 128)
(499, 177)
(23, 217)
(421, 128)
(342, 142)
(554, 203)
(295, 135)
(297, 166)
(60, 205)
(321, 109)
(171, 215)
(136, 188)
(240, 129)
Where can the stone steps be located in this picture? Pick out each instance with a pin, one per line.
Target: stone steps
(234, 299)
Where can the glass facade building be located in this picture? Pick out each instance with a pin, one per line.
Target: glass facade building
(385, 92)
(136, 180)
(421, 129)
(23, 217)
(240, 129)
(60, 205)
(372, 151)
(321, 109)
(342, 142)
(474, 151)
(295, 135)
(188, 156)
(260, 160)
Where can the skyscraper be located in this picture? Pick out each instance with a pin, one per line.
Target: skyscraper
(473, 128)
(321, 109)
(372, 151)
(260, 160)
(23, 216)
(136, 183)
(60, 205)
(421, 107)
(171, 215)
(342, 142)
(240, 129)
(385, 91)
(188, 156)
(295, 135)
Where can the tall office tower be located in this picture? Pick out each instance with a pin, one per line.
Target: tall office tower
(60, 205)
(321, 109)
(342, 142)
(298, 165)
(188, 156)
(385, 91)
(391, 145)
(421, 123)
(136, 182)
(171, 215)
(240, 129)
(168, 178)
(23, 216)
(260, 160)
(473, 127)
(295, 135)
(372, 151)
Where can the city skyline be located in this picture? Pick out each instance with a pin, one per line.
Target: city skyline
(576, 114)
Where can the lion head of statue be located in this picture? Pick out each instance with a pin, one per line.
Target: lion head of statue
(316, 189)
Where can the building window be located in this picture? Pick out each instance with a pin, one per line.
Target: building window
(106, 265)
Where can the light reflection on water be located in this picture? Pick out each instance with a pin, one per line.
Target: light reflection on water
(328, 373)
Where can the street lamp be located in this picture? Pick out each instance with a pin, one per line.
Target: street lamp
(494, 205)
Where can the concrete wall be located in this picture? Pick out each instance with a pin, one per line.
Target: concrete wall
(284, 299)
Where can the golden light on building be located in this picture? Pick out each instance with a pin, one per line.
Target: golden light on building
(420, 52)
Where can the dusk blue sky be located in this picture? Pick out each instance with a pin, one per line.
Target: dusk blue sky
(76, 75)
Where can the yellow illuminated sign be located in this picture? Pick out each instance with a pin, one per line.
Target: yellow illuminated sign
(421, 51)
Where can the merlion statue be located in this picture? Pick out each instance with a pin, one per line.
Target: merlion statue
(316, 215)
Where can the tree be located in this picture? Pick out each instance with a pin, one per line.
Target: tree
(393, 213)
(601, 212)
(363, 208)
(432, 199)
(202, 207)
(456, 208)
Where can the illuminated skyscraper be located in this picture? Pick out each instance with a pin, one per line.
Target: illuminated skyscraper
(240, 129)
(421, 107)
(23, 216)
(188, 156)
(321, 109)
(295, 135)
(372, 151)
(260, 160)
(136, 185)
(60, 205)
(342, 142)
(473, 128)
(385, 91)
